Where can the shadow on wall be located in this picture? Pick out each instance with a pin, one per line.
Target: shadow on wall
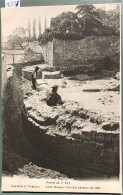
(4, 74)
(12, 106)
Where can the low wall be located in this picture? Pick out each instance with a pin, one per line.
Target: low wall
(90, 155)
(28, 74)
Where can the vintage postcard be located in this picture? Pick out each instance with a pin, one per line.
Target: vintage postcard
(61, 100)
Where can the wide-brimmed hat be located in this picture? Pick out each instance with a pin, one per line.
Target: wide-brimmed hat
(55, 86)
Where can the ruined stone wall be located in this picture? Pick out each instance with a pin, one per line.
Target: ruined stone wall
(92, 154)
(86, 51)
(47, 52)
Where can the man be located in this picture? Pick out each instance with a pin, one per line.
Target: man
(54, 98)
(34, 76)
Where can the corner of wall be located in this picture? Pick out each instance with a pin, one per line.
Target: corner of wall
(53, 52)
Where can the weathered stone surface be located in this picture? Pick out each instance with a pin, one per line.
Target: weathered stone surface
(93, 135)
(28, 106)
(117, 76)
(51, 75)
(108, 138)
(91, 90)
(100, 137)
(75, 132)
(79, 52)
(27, 74)
(84, 114)
(115, 138)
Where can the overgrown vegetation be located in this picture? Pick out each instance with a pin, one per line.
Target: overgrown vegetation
(86, 21)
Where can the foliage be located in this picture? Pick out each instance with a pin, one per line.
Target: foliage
(18, 36)
(87, 21)
(111, 19)
(40, 29)
(34, 29)
(65, 24)
(17, 40)
(29, 29)
(45, 37)
(20, 32)
(90, 21)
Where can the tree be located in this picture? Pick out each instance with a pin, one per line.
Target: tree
(88, 19)
(46, 36)
(65, 25)
(20, 32)
(29, 29)
(40, 29)
(111, 20)
(16, 40)
(45, 24)
(18, 36)
(34, 29)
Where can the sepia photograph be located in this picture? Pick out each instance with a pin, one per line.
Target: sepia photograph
(61, 100)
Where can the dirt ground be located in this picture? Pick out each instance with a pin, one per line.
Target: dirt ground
(97, 98)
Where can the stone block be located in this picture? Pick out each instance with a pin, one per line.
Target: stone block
(27, 106)
(27, 74)
(82, 137)
(78, 136)
(51, 75)
(86, 133)
(108, 138)
(93, 135)
(83, 115)
(99, 146)
(100, 137)
(115, 138)
(88, 137)
(92, 144)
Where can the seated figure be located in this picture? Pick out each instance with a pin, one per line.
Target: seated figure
(54, 98)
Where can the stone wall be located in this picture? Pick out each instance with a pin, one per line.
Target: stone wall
(103, 51)
(86, 51)
(47, 52)
(91, 155)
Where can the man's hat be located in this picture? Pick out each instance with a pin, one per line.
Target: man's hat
(55, 86)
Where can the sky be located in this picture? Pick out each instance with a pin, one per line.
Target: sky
(14, 17)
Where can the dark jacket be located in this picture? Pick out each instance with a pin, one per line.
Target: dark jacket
(53, 99)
